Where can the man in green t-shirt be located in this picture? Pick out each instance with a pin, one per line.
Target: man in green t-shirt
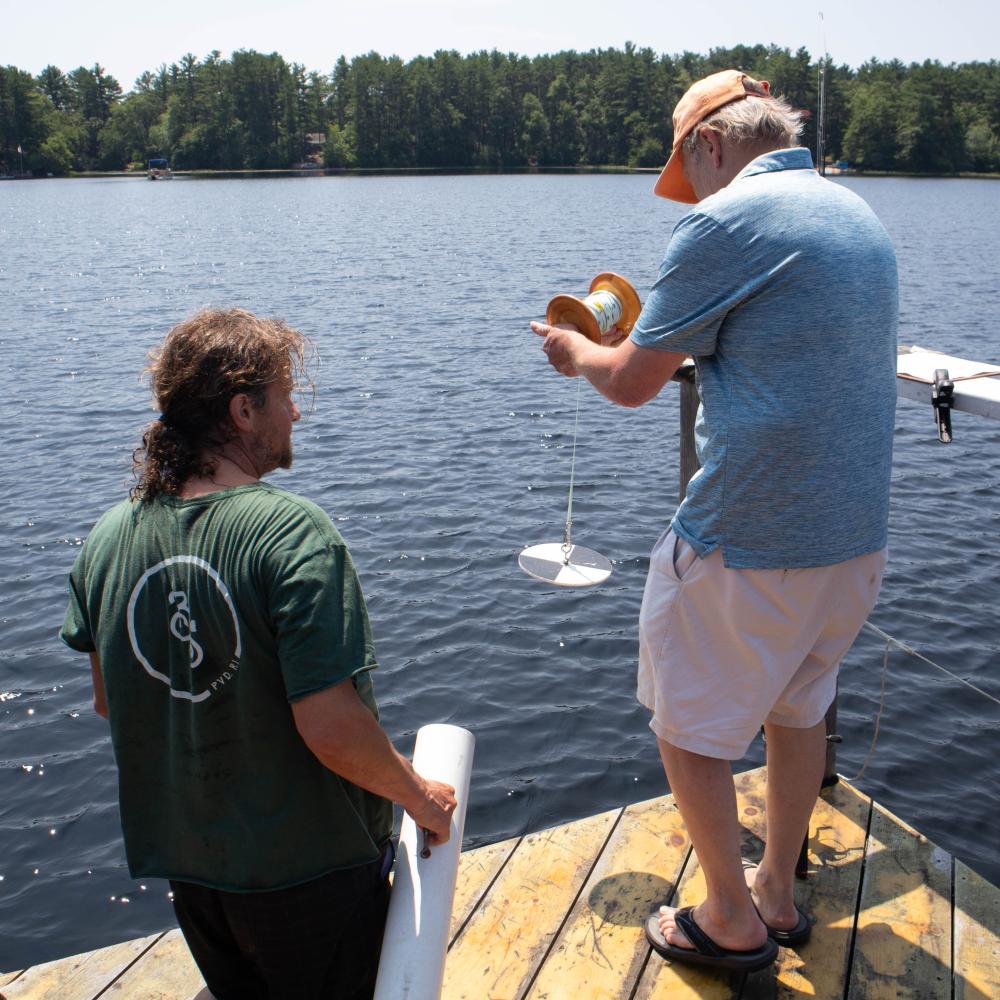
(231, 652)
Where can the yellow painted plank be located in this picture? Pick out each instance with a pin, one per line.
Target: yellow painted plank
(602, 948)
(903, 942)
(751, 805)
(837, 833)
(511, 930)
(829, 895)
(166, 972)
(977, 936)
(663, 979)
(79, 977)
(476, 870)
(674, 980)
(837, 839)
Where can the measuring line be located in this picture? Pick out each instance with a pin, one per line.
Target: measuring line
(920, 656)
(568, 539)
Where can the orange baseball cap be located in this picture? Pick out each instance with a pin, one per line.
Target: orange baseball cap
(701, 100)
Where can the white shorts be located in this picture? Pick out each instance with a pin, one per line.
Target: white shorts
(721, 651)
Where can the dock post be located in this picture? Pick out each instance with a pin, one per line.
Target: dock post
(689, 463)
(832, 739)
(830, 777)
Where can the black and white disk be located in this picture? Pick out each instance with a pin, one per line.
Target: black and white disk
(565, 566)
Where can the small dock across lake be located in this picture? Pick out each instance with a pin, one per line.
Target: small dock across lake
(559, 913)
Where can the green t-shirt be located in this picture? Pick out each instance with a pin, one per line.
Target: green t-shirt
(209, 616)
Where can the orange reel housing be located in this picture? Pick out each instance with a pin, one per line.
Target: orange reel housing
(612, 301)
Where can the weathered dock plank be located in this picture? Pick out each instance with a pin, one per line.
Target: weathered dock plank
(504, 943)
(80, 977)
(977, 936)
(673, 980)
(837, 835)
(602, 948)
(165, 972)
(559, 914)
(837, 840)
(476, 871)
(664, 979)
(903, 938)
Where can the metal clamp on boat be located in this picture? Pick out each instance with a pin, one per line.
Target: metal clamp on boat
(942, 397)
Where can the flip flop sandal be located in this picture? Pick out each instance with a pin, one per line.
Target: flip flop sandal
(791, 937)
(705, 951)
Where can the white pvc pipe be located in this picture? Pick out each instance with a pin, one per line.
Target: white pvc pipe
(416, 930)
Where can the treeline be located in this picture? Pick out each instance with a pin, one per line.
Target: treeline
(489, 109)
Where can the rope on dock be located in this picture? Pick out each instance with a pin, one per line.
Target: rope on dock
(890, 641)
(881, 707)
(920, 656)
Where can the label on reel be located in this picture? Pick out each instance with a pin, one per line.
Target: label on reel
(606, 307)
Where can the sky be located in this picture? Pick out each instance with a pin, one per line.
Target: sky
(129, 37)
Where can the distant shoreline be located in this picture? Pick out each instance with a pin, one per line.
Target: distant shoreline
(485, 171)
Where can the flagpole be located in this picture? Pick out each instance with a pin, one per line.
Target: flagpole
(821, 125)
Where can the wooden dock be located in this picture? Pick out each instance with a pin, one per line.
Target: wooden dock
(559, 913)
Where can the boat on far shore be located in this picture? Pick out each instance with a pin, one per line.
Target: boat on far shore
(159, 170)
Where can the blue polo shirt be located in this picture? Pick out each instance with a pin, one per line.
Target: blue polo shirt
(783, 288)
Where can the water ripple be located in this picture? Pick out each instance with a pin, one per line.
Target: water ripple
(440, 444)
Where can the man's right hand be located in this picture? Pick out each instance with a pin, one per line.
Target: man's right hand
(433, 812)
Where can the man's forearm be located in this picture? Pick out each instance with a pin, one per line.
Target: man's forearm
(339, 729)
(346, 738)
(369, 760)
(626, 374)
(601, 367)
(97, 679)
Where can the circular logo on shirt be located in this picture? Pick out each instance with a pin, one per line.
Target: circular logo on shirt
(165, 597)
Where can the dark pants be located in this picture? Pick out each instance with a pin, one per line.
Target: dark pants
(317, 941)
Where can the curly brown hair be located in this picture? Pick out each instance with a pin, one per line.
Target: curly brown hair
(194, 373)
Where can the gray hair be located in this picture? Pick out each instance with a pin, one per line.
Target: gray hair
(753, 119)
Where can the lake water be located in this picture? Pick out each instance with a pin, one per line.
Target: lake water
(440, 443)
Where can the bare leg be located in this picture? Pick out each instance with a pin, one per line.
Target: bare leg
(704, 792)
(795, 762)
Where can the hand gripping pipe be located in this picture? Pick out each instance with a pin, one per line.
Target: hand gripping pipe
(416, 930)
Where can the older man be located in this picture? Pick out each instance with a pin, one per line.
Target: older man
(230, 650)
(783, 288)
